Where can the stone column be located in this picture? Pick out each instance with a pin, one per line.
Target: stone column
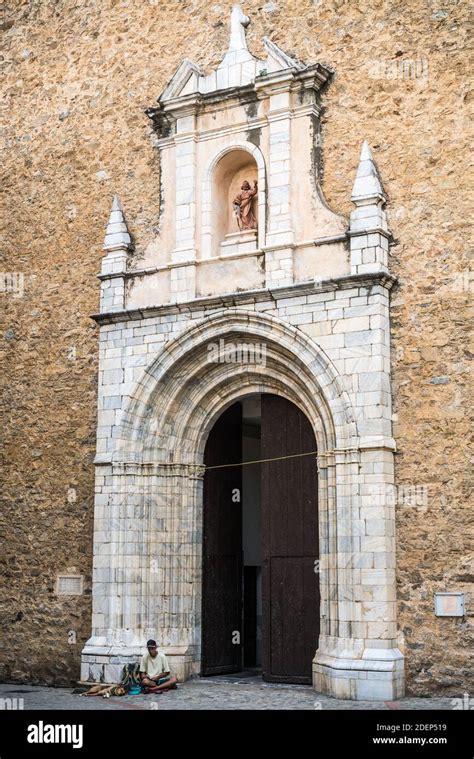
(173, 593)
(183, 274)
(280, 233)
(120, 565)
(358, 656)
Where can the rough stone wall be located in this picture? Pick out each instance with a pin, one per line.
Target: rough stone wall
(79, 74)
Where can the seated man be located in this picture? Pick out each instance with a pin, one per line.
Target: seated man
(154, 671)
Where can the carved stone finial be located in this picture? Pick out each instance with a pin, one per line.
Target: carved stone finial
(367, 185)
(116, 234)
(238, 22)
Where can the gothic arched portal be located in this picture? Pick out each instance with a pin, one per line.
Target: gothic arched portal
(154, 482)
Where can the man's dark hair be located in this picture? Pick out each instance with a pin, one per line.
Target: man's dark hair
(150, 643)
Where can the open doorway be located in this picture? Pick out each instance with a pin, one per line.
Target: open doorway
(260, 542)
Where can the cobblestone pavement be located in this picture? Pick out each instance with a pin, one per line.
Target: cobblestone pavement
(223, 692)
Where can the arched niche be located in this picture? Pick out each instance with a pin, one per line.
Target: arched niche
(222, 181)
(230, 172)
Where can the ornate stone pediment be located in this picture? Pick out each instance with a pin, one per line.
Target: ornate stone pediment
(237, 69)
(241, 204)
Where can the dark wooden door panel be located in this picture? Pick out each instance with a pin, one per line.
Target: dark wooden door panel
(290, 543)
(223, 615)
(250, 616)
(222, 547)
(294, 613)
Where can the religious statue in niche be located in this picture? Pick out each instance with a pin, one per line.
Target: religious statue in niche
(242, 204)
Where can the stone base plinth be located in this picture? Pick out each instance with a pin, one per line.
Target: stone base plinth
(104, 665)
(236, 243)
(377, 676)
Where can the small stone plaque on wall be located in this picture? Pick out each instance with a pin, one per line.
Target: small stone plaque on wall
(449, 604)
(69, 585)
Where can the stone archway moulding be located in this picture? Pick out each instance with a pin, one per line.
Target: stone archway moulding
(182, 367)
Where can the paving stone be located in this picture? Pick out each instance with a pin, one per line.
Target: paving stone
(212, 693)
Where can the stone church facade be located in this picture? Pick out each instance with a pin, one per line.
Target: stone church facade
(311, 289)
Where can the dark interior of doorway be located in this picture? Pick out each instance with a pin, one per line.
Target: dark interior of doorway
(251, 536)
(260, 543)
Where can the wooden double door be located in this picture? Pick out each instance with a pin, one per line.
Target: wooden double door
(289, 540)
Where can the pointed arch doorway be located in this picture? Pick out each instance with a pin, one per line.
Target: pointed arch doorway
(260, 602)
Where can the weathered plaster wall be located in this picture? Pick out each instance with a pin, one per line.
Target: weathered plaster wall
(79, 74)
